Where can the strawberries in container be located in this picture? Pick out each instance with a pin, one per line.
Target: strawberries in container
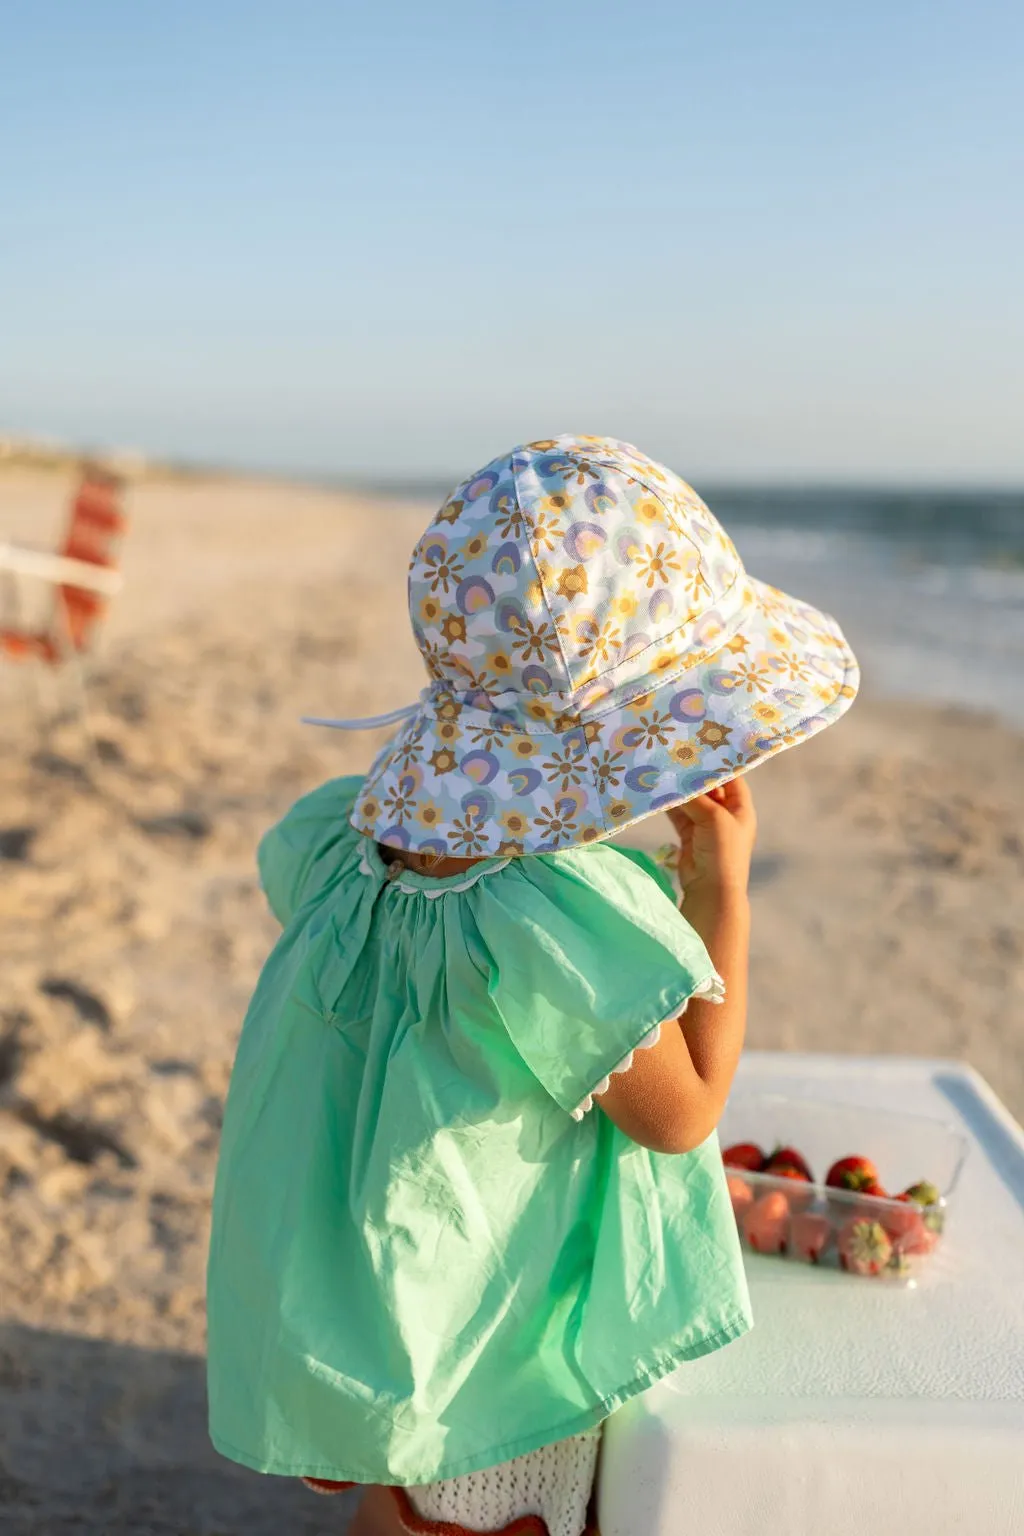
(905, 1224)
(852, 1173)
(765, 1223)
(809, 1235)
(854, 1219)
(788, 1161)
(922, 1193)
(799, 1190)
(902, 1219)
(927, 1197)
(864, 1245)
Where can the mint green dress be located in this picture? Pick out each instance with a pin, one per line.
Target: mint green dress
(428, 1255)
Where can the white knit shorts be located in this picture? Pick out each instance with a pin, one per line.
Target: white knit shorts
(554, 1483)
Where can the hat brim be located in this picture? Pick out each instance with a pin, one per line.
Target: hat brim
(466, 783)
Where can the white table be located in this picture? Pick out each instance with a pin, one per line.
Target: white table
(853, 1406)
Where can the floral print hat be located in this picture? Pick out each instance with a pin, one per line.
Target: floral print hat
(596, 652)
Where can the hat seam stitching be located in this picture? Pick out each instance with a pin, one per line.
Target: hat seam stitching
(665, 639)
(536, 571)
(594, 714)
(607, 463)
(638, 479)
(593, 774)
(561, 651)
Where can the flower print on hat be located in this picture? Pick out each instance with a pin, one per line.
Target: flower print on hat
(596, 651)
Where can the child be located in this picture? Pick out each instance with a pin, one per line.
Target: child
(470, 1198)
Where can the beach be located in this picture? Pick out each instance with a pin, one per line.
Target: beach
(887, 903)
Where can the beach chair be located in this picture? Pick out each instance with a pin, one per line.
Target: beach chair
(82, 574)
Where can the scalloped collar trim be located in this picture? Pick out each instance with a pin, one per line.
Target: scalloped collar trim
(412, 884)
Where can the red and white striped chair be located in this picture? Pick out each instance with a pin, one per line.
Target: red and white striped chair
(82, 573)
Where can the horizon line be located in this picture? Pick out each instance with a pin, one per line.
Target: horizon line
(41, 451)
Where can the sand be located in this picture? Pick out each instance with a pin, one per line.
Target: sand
(888, 916)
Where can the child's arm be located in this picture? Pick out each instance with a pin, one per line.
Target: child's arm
(673, 1096)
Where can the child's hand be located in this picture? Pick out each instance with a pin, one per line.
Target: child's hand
(716, 835)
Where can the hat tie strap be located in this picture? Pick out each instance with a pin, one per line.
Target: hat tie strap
(369, 723)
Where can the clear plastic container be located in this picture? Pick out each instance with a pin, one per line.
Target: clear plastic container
(863, 1234)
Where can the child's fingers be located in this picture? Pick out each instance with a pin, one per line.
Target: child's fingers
(738, 799)
(700, 810)
(734, 798)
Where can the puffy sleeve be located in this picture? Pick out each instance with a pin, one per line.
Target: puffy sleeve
(298, 856)
(654, 864)
(588, 955)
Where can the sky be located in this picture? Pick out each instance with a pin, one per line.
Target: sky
(766, 243)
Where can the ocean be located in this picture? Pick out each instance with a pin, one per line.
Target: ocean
(929, 589)
(927, 586)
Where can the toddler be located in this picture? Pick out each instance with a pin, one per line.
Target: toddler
(470, 1198)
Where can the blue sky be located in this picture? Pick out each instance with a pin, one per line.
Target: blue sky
(779, 242)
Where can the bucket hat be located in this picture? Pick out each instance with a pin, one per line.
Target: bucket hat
(596, 652)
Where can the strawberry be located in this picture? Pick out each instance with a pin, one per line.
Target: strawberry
(809, 1235)
(766, 1223)
(906, 1226)
(744, 1154)
(798, 1198)
(905, 1222)
(920, 1240)
(851, 1173)
(788, 1157)
(872, 1191)
(922, 1193)
(740, 1193)
(928, 1197)
(865, 1247)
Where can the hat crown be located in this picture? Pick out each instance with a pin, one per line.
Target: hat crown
(566, 570)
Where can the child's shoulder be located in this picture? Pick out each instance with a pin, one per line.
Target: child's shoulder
(298, 853)
(625, 877)
(650, 864)
(589, 904)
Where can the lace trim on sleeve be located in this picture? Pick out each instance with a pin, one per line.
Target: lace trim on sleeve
(712, 991)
